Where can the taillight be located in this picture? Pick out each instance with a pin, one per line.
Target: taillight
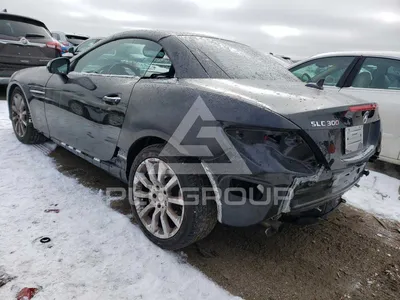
(363, 107)
(54, 45)
(287, 143)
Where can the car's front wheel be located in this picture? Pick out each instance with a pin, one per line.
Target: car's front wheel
(21, 120)
(162, 200)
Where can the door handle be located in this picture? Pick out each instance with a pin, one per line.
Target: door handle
(112, 100)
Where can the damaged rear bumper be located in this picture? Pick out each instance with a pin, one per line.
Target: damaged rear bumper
(251, 199)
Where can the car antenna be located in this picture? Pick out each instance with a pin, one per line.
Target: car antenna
(319, 85)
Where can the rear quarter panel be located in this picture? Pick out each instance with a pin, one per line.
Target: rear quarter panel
(158, 106)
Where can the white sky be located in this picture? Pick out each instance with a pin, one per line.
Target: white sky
(294, 28)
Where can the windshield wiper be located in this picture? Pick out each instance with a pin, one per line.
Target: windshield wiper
(34, 35)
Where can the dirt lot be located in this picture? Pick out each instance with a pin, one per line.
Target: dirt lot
(352, 255)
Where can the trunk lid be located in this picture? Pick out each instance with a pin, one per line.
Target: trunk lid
(342, 130)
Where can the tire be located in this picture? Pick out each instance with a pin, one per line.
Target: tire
(197, 220)
(22, 121)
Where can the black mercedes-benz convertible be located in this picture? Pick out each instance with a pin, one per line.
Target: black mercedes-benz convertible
(201, 128)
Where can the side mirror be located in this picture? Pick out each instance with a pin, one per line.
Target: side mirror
(59, 65)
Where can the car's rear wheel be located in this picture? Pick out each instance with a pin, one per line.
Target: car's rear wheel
(21, 120)
(163, 200)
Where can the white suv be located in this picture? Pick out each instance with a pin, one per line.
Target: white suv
(372, 76)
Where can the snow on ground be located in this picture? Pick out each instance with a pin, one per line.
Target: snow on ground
(94, 253)
(377, 194)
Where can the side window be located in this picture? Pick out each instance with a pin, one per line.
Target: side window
(125, 57)
(378, 73)
(329, 68)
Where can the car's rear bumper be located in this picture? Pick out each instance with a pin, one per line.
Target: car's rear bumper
(274, 195)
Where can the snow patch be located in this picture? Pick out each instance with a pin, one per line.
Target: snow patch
(377, 194)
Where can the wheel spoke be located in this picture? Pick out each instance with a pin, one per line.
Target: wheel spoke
(151, 171)
(174, 217)
(155, 220)
(15, 117)
(165, 224)
(162, 170)
(141, 194)
(24, 122)
(21, 104)
(171, 183)
(145, 211)
(14, 109)
(176, 200)
(142, 178)
(18, 127)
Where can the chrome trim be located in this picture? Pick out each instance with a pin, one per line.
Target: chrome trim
(217, 192)
(37, 92)
(361, 156)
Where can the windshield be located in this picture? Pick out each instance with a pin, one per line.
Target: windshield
(15, 30)
(86, 45)
(236, 60)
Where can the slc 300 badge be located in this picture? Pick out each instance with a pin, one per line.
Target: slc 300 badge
(328, 123)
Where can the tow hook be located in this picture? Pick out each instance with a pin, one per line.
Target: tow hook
(366, 172)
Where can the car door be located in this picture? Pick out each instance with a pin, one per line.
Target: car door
(87, 107)
(333, 69)
(378, 80)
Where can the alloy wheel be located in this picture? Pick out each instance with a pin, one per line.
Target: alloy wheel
(19, 115)
(158, 198)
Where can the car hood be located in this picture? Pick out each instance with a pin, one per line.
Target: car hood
(285, 98)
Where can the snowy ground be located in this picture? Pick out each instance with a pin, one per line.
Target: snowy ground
(94, 253)
(377, 194)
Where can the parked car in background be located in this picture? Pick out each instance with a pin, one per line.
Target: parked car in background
(24, 43)
(262, 129)
(372, 76)
(68, 40)
(283, 60)
(86, 44)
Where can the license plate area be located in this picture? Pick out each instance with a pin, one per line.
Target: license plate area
(354, 138)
